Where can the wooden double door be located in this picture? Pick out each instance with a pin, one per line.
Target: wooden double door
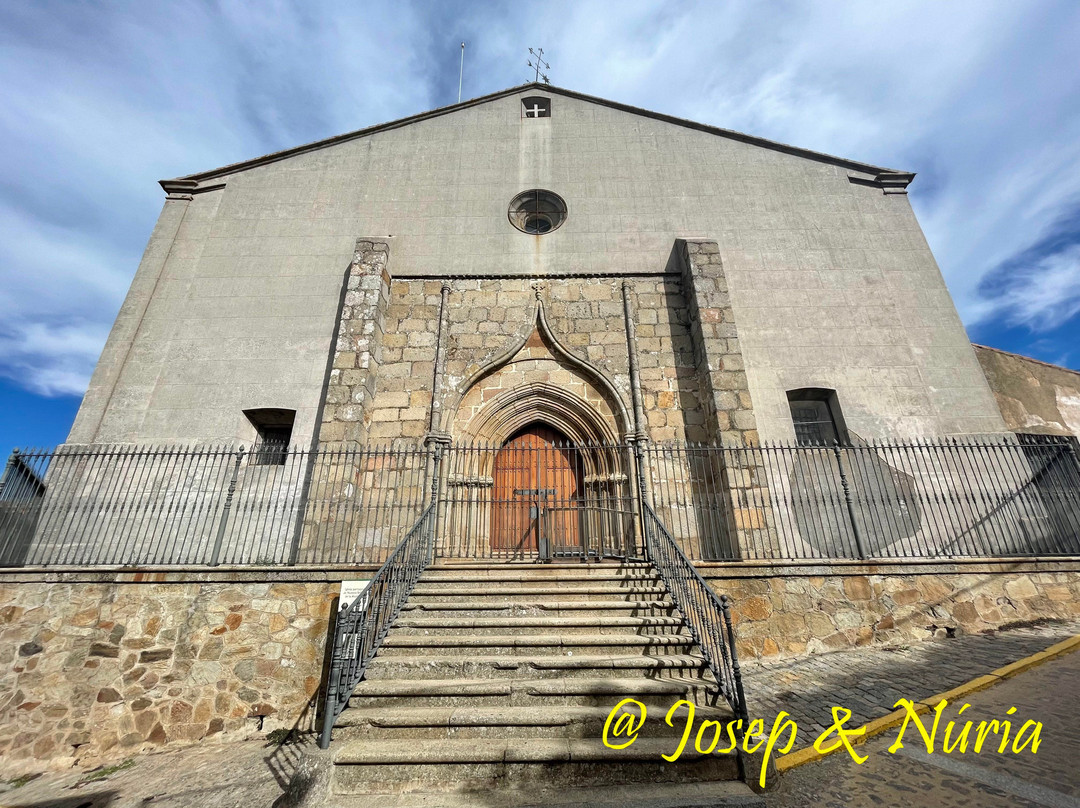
(537, 496)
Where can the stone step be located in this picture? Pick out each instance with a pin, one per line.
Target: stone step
(479, 568)
(526, 593)
(365, 766)
(547, 721)
(551, 608)
(600, 624)
(432, 666)
(580, 691)
(723, 794)
(599, 576)
(529, 644)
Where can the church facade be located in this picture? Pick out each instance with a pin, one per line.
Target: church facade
(534, 326)
(536, 256)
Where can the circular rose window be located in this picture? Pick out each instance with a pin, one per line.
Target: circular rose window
(537, 211)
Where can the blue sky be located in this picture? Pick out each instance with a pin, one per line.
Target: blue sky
(100, 100)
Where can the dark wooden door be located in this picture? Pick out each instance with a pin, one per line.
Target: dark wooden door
(536, 495)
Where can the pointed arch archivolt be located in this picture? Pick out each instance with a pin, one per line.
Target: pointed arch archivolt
(537, 379)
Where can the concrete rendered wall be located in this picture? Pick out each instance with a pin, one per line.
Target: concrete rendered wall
(832, 282)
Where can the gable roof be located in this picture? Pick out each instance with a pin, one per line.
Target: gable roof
(191, 182)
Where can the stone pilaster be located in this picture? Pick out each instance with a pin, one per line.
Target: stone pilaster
(729, 412)
(358, 346)
(347, 405)
(725, 394)
(435, 419)
(632, 352)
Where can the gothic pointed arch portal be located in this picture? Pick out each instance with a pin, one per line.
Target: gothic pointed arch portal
(537, 469)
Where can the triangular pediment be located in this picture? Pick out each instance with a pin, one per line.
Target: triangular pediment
(199, 181)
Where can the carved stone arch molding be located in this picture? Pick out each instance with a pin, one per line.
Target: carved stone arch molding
(552, 386)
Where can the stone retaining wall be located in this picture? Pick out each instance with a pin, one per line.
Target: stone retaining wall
(96, 671)
(808, 609)
(99, 666)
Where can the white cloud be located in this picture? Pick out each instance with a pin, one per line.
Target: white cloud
(1044, 295)
(98, 103)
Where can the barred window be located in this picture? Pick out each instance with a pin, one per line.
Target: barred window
(535, 106)
(274, 433)
(815, 412)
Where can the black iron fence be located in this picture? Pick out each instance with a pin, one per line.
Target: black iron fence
(1000, 496)
(994, 496)
(140, 506)
(537, 501)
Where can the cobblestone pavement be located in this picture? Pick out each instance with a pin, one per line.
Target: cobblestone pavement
(913, 779)
(868, 681)
(250, 774)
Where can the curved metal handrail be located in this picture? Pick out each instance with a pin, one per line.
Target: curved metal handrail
(707, 616)
(362, 627)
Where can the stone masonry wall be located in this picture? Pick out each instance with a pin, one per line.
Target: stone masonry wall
(486, 316)
(358, 346)
(820, 610)
(1033, 396)
(99, 671)
(725, 396)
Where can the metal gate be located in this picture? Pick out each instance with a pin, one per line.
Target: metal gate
(537, 497)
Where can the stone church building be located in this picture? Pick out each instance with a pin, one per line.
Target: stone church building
(461, 354)
(531, 242)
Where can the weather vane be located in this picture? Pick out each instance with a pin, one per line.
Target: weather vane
(538, 62)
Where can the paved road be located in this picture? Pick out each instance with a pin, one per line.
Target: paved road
(244, 774)
(868, 681)
(912, 779)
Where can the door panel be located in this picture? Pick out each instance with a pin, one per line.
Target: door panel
(536, 495)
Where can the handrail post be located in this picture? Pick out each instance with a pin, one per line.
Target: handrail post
(369, 618)
(736, 670)
(333, 682)
(220, 538)
(847, 500)
(436, 461)
(639, 458)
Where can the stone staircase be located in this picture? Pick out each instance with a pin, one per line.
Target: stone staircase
(493, 686)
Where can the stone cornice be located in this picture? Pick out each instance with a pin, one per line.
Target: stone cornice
(185, 189)
(890, 182)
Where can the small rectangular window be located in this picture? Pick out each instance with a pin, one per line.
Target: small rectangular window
(274, 433)
(536, 106)
(815, 413)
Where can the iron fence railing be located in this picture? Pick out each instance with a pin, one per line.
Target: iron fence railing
(997, 496)
(146, 506)
(707, 615)
(361, 627)
(992, 496)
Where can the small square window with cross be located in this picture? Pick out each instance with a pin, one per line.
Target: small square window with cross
(536, 107)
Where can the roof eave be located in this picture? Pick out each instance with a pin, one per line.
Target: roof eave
(193, 183)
